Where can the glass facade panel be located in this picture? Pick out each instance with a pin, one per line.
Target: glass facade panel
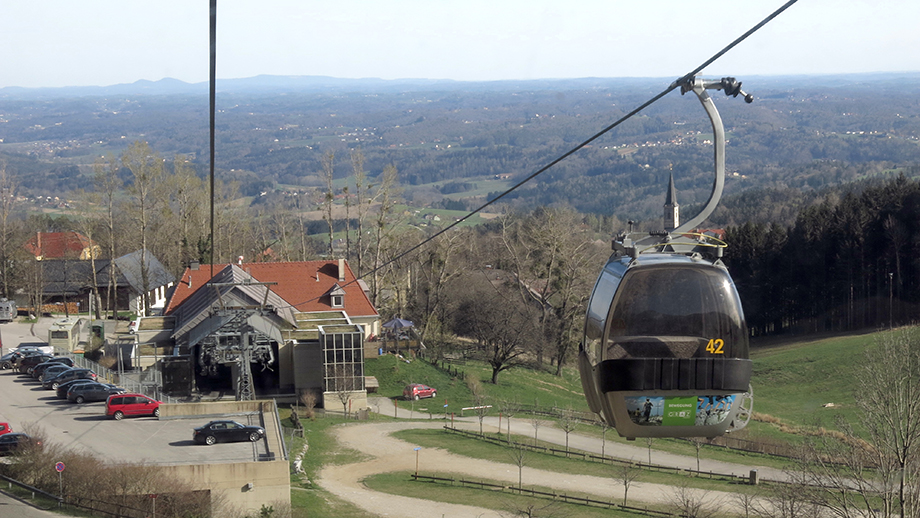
(344, 354)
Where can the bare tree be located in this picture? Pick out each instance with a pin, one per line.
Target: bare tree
(698, 443)
(793, 499)
(108, 185)
(509, 407)
(604, 429)
(555, 265)
(479, 399)
(626, 473)
(518, 455)
(7, 246)
(746, 501)
(189, 202)
(503, 326)
(568, 423)
(328, 161)
(536, 422)
(691, 503)
(648, 443)
(361, 187)
(881, 461)
(148, 172)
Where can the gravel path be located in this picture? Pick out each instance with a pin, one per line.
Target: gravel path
(391, 454)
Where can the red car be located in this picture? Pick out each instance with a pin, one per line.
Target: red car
(5, 428)
(118, 406)
(417, 391)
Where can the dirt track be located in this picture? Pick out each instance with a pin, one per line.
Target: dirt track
(390, 454)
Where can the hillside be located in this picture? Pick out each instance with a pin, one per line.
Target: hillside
(794, 378)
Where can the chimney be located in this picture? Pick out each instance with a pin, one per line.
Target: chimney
(194, 265)
(239, 261)
(341, 270)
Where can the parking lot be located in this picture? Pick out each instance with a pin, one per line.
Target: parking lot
(140, 439)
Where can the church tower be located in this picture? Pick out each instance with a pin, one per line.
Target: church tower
(671, 208)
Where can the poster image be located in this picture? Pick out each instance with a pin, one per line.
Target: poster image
(645, 410)
(678, 410)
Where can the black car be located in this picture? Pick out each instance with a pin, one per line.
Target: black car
(83, 392)
(11, 360)
(52, 371)
(37, 370)
(72, 374)
(63, 388)
(227, 431)
(9, 442)
(28, 362)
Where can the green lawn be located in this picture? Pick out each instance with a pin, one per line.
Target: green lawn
(792, 381)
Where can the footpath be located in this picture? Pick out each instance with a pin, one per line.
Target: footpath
(389, 454)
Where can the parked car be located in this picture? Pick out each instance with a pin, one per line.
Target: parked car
(13, 361)
(37, 370)
(10, 442)
(417, 391)
(5, 428)
(52, 371)
(29, 362)
(72, 374)
(121, 405)
(83, 392)
(227, 431)
(63, 388)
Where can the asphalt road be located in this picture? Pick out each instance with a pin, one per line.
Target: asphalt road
(24, 404)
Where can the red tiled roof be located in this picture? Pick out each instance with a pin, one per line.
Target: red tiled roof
(58, 245)
(303, 284)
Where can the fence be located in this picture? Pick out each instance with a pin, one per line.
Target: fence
(148, 381)
(601, 458)
(542, 494)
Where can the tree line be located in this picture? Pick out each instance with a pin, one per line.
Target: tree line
(849, 261)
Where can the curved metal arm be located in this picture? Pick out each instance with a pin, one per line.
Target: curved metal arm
(699, 87)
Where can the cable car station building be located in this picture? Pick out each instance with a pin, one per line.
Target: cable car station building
(278, 329)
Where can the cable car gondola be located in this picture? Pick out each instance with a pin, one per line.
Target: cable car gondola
(665, 349)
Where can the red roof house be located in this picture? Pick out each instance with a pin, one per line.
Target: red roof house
(61, 245)
(309, 286)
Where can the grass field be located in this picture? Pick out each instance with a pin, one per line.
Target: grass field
(793, 380)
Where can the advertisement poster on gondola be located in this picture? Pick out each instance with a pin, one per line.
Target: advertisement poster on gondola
(678, 410)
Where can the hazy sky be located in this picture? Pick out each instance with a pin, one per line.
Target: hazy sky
(104, 42)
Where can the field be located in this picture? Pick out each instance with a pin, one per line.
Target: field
(793, 381)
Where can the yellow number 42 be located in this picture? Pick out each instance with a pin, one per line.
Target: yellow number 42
(715, 346)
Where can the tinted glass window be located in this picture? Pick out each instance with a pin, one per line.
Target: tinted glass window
(672, 311)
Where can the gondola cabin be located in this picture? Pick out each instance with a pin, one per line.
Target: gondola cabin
(667, 346)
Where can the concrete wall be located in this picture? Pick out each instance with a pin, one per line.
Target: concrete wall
(174, 410)
(229, 484)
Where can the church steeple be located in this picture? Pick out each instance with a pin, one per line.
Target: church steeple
(671, 208)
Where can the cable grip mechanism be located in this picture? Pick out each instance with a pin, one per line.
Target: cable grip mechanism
(730, 85)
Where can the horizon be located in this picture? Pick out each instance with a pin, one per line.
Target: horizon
(411, 80)
(61, 44)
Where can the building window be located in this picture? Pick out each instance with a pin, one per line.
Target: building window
(344, 365)
(338, 301)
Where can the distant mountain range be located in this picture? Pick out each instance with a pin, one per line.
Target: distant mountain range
(264, 84)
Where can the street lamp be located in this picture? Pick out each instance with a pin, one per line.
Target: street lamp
(890, 300)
